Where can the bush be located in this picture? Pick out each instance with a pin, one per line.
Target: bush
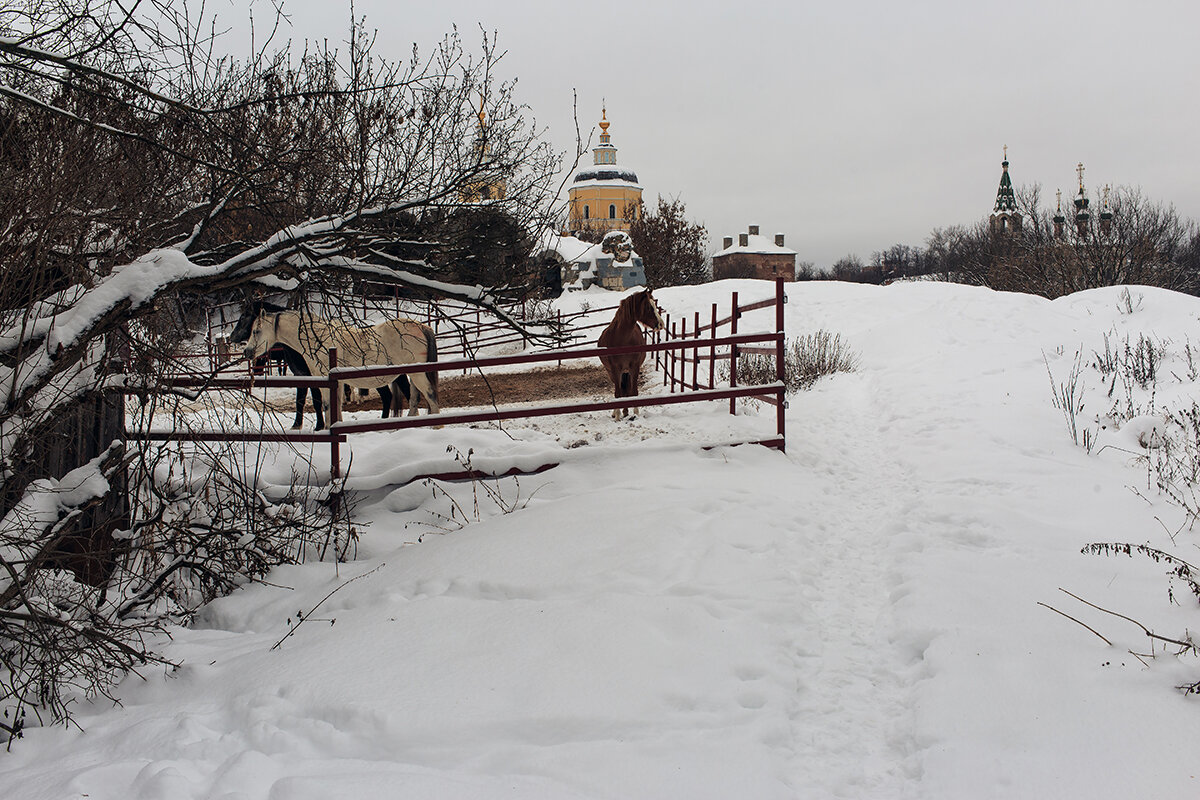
(805, 359)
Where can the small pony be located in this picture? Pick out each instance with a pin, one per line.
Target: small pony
(397, 341)
(389, 396)
(624, 331)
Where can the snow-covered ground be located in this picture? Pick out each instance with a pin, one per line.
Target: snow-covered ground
(857, 618)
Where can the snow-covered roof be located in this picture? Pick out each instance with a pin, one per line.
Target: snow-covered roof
(606, 173)
(756, 244)
(568, 248)
(595, 252)
(573, 250)
(578, 184)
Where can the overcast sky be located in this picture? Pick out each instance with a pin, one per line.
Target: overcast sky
(848, 125)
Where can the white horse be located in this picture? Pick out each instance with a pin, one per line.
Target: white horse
(397, 341)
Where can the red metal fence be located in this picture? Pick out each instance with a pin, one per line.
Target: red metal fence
(462, 332)
(677, 352)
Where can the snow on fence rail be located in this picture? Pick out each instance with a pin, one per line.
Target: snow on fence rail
(671, 352)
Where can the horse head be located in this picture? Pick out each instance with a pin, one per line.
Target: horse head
(648, 312)
(250, 312)
(264, 333)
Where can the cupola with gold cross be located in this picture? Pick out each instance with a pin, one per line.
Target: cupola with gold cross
(1005, 216)
(603, 197)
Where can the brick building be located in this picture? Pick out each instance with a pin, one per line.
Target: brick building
(754, 256)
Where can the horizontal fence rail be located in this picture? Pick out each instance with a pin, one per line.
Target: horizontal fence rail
(681, 352)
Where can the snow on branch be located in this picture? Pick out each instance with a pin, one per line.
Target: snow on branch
(13, 47)
(50, 506)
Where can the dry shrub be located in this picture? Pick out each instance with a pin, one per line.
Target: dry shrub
(806, 359)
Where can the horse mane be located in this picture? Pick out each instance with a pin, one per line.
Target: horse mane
(250, 312)
(631, 308)
(625, 311)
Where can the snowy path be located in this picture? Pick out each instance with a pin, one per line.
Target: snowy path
(854, 698)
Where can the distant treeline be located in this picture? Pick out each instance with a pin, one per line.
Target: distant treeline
(1051, 253)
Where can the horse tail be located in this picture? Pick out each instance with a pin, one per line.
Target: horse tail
(626, 378)
(431, 356)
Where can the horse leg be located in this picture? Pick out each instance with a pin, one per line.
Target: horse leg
(620, 390)
(400, 389)
(321, 403)
(298, 423)
(316, 399)
(431, 379)
(634, 380)
(385, 399)
(629, 389)
(420, 384)
(615, 377)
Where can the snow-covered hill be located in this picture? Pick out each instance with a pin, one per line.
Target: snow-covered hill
(857, 618)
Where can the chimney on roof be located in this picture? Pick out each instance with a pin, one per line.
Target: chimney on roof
(727, 243)
(779, 240)
(754, 230)
(744, 238)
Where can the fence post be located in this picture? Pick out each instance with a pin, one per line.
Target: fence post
(335, 415)
(666, 356)
(780, 373)
(712, 351)
(676, 355)
(733, 352)
(659, 356)
(696, 357)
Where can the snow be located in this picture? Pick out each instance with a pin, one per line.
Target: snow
(857, 618)
(755, 243)
(43, 504)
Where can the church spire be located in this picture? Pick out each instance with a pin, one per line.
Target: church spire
(604, 153)
(1006, 200)
(1106, 213)
(1005, 216)
(1083, 217)
(1059, 219)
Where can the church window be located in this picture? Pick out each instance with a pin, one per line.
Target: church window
(586, 215)
(612, 212)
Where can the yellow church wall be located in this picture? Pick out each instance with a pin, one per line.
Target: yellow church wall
(598, 198)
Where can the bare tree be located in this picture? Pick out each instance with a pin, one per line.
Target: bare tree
(141, 172)
(851, 268)
(1129, 240)
(673, 249)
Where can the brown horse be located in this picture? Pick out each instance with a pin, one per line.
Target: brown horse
(624, 331)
